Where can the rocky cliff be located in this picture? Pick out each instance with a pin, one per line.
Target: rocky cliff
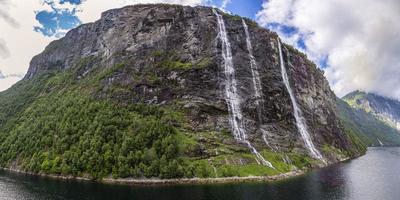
(214, 80)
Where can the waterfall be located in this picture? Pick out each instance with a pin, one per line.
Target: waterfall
(231, 93)
(300, 120)
(380, 142)
(258, 94)
(254, 72)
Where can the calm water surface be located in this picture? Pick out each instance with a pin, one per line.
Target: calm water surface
(375, 176)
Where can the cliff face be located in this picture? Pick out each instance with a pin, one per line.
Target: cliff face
(174, 56)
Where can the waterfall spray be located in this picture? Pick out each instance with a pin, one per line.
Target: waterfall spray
(232, 96)
(258, 94)
(298, 114)
(380, 142)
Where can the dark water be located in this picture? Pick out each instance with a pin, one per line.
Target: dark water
(375, 176)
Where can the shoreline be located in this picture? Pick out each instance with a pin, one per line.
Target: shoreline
(182, 181)
(203, 181)
(166, 182)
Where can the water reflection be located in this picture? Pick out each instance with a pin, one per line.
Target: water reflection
(371, 177)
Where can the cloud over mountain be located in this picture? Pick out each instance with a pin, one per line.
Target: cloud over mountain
(357, 42)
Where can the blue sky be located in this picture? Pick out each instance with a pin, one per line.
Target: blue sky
(56, 21)
(245, 8)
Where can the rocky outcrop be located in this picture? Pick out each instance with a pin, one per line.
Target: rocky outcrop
(171, 55)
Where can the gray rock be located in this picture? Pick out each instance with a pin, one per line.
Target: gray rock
(143, 37)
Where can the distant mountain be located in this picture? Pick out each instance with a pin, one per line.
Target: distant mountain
(385, 109)
(374, 118)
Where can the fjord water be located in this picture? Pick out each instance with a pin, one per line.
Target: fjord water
(371, 177)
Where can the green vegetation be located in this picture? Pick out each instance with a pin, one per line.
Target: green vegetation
(251, 23)
(238, 18)
(363, 128)
(130, 119)
(226, 166)
(56, 124)
(169, 61)
(52, 125)
(77, 122)
(67, 133)
(375, 105)
(232, 17)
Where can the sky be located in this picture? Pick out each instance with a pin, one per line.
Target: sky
(356, 43)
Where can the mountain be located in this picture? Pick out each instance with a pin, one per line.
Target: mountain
(385, 109)
(377, 118)
(171, 91)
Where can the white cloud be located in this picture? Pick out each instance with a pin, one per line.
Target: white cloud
(361, 38)
(225, 4)
(22, 42)
(4, 15)
(2, 76)
(4, 52)
(7, 81)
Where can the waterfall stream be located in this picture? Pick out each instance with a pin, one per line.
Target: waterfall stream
(298, 114)
(258, 94)
(380, 142)
(254, 72)
(232, 96)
